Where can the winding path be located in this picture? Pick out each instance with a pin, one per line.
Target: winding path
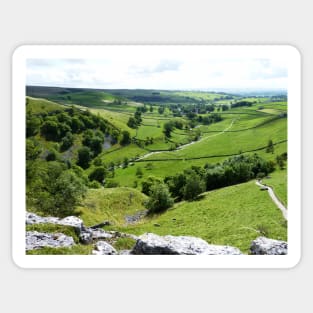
(275, 200)
(188, 144)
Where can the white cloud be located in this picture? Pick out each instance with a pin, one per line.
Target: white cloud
(159, 71)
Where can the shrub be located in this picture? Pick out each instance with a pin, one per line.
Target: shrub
(112, 184)
(98, 174)
(94, 184)
(193, 187)
(84, 157)
(160, 198)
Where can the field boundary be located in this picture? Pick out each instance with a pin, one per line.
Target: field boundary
(208, 156)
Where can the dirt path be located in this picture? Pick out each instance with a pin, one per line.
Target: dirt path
(275, 200)
(188, 144)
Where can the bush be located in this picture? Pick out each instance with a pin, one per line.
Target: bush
(193, 187)
(112, 184)
(84, 157)
(51, 156)
(125, 138)
(160, 198)
(98, 174)
(94, 184)
(139, 172)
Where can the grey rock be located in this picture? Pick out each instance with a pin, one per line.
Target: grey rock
(103, 248)
(263, 245)
(180, 245)
(124, 252)
(36, 240)
(72, 221)
(32, 218)
(100, 234)
(132, 219)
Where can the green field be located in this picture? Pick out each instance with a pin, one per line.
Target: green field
(230, 215)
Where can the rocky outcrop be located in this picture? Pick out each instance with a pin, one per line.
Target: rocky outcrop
(103, 248)
(32, 218)
(263, 245)
(180, 245)
(36, 240)
(89, 235)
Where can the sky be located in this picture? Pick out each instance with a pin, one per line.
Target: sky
(159, 71)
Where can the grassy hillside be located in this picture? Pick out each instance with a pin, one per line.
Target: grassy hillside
(233, 216)
(76, 144)
(111, 204)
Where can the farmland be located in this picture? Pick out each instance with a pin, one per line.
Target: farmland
(133, 138)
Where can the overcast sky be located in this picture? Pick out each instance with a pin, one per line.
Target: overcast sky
(159, 72)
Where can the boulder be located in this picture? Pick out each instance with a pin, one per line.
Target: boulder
(32, 218)
(103, 248)
(72, 221)
(36, 240)
(180, 245)
(100, 234)
(263, 245)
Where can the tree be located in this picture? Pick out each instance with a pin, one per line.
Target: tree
(139, 172)
(151, 108)
(161, 109)
(51, 156)
(33, 149)
(50, 130)
(32, 125)
(167, 128)
(270, 147)
(67, 141)
(77, 125)
(125, 162)
(160, 198)
(67, 193)
(132, 122)
(84, 157)
(125, 138)
(193, 187)
(98, 174)
(147, 184)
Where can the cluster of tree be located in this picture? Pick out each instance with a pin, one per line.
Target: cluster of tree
(52, 187)
(242, 103)
(135, 121)
(61, 125)
(209, 119)
(193, 181)
(281, 159)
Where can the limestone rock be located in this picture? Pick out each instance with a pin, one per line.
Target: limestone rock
(103, 248)
(32, 218)
(180, 245)
(263, 245)
(36, 240)
(72, 221)
(100, 234)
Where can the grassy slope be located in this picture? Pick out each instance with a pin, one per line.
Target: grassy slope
(110, 204)
(231, 143)
(228, 216)
(37, 105)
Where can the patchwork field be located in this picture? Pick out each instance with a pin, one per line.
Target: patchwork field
(120, 144)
